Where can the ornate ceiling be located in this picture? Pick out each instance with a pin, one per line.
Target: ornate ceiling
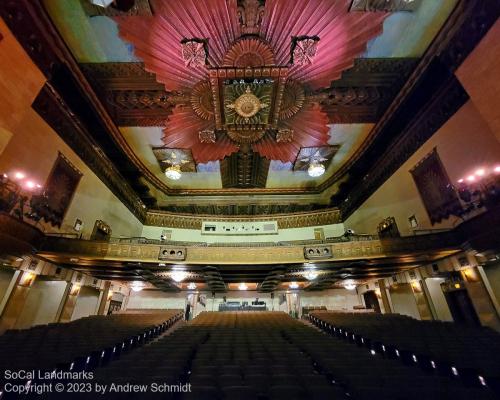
(244, 88)
(249, 70)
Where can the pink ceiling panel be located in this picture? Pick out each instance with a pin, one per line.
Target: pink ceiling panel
(157, 39)
(182, 132)
(309, 130)
(343, 35)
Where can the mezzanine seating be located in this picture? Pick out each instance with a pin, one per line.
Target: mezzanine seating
(443, 348)
(80, 344)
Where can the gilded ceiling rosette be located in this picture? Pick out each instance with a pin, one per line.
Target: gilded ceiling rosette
(247, 67)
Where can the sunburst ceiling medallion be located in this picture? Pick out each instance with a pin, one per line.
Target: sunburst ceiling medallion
(247, 105)
(247, 66)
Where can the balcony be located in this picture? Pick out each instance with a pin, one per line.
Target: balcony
(18, 237)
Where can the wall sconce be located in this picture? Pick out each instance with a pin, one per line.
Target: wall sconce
(27, 279)
(75, 289)
(110, 295)
(470, 275)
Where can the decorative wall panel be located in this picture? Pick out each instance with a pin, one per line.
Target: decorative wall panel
(61, 186)
(438, 194)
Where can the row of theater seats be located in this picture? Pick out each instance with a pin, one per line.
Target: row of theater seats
(80, 344)
(440, 348)
(269, 355)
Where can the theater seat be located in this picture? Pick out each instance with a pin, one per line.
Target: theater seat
(239, 393)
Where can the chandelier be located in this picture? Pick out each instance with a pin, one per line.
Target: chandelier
(316, 169)
(173, 172)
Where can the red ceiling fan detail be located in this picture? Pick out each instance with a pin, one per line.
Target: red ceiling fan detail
(182, 132)
(157, 39)
(343, 35)
(326, 39)
(310, 129)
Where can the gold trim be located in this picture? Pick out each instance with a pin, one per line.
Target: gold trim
(285, 221)
(63, 250)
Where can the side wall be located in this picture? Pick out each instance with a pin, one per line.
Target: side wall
(42, 303)
(86, 303)
(29, 145)
(470, 139)
(465, 142)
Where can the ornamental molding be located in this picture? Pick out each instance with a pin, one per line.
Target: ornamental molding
(285, 221)
(140, 8)
(384, 5)
(250, 14)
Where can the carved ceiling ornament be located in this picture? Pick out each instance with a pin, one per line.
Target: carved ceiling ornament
(207, 136)
(246, 135)
(293, 99)
(194, 52)
(284, 135)
(384, 5)
(250, 14)
(201, 100)
(247, 105)
(255, 92)
(249, 52)
(303, 49)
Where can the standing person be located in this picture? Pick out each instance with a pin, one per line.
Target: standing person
(188, 311)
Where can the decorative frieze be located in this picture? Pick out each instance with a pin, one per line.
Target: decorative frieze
(285, 221)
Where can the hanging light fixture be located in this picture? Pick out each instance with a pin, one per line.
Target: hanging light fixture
(178, 275)
(315, 169)
(311, 274)
(173, 172)
(137, 286)
(242, 286)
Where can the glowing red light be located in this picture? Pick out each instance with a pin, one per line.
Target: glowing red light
(480, 172)
(471, 178)
(497, 169)
(460, 181)
(19, 175)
